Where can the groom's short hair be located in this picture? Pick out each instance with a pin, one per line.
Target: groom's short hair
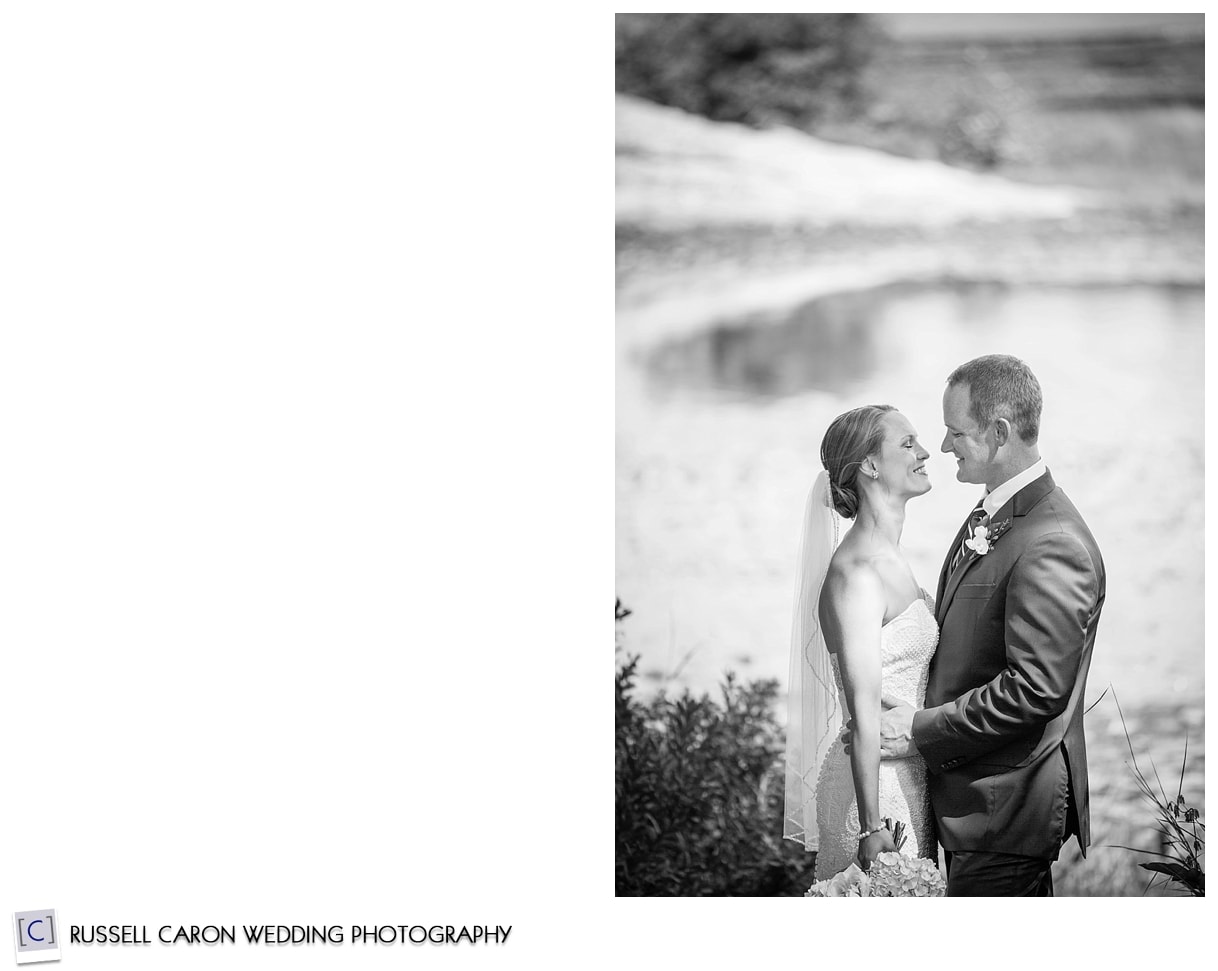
(1001, 386)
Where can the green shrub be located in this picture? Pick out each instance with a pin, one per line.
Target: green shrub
(759, 69)
(699, 795)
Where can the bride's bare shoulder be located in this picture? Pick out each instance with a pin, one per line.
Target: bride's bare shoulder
(852, 583)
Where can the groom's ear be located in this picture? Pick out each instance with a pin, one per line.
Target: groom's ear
(1002, 431)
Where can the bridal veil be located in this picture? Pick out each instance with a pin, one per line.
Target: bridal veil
(814, 717)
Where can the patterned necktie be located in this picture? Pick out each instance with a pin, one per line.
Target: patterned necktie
(978, 518)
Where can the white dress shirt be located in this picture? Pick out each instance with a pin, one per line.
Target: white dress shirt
(1001, 496)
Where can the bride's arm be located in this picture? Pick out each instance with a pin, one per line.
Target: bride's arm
(852, 614)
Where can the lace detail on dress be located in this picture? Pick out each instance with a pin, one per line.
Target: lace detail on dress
(907, 644)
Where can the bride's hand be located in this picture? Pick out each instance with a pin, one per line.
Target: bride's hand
(873, 846)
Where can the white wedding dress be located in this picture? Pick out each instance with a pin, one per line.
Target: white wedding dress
(907, 644)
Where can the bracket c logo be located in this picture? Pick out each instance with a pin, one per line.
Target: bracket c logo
(35, 936)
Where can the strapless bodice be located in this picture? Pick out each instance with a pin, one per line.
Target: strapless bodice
(907, 644)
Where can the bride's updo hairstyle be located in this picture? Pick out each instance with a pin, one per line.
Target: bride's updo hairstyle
(850, 439)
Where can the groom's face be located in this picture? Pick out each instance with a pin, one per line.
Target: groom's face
(965, 439)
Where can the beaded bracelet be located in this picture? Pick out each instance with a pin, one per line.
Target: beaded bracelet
(871, 832)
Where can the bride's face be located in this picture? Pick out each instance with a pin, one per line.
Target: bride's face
(901, 460)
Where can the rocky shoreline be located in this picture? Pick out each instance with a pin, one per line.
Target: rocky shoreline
(1096, 248)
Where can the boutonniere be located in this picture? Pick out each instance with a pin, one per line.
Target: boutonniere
(984, 537)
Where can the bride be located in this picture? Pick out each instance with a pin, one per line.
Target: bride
(862, 626)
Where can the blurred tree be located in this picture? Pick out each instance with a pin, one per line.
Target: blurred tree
(759, 69)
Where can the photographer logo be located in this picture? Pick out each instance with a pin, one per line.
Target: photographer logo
(35, 936)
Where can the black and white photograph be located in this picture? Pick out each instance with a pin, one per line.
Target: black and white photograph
(909, 452)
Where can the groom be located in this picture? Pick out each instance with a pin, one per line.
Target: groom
(1019, 599)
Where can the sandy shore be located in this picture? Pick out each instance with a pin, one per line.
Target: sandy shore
(715, 215)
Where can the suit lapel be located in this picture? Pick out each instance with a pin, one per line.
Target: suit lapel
(953, 583)
(1018, 505)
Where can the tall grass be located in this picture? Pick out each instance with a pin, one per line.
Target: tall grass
(1121, 816)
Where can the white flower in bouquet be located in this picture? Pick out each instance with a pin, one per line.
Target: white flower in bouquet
(897, 875)
(851, 882)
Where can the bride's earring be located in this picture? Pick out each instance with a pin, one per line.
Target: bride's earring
(874, 473)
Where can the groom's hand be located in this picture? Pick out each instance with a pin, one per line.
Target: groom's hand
(896, 730)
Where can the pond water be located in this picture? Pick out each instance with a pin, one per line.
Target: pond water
(718, 433)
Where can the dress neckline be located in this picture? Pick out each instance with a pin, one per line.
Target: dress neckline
(909, 607)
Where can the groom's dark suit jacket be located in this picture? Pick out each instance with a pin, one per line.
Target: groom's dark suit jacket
(1002, 730)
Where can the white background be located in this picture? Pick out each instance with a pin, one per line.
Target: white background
(305, 554)
(305, 495)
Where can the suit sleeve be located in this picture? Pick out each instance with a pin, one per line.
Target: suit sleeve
(1050, 598)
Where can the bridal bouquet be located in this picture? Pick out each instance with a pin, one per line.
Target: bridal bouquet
(897, 875)
(891, 875)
